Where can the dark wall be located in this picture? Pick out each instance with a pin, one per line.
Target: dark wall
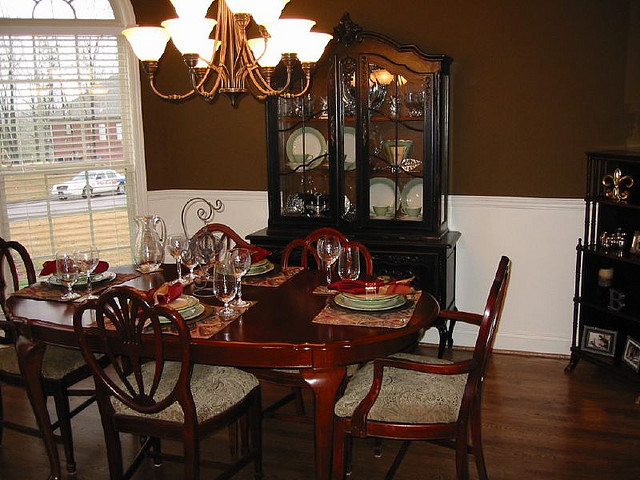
(535, 85)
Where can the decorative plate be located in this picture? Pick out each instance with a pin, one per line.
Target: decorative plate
(349, 148)
(412, 193)
(382, 193)
(304, 145)
(82, 280)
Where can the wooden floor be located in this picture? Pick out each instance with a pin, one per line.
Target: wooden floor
(539, 423)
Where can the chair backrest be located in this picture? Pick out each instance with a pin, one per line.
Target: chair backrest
(225, 233)
(308, 247)
(16, 271)
(488, 327)
(125, 325)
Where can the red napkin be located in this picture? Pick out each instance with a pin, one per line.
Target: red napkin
(49, 267)
(167, 292)
(360, 287)
(258, 253)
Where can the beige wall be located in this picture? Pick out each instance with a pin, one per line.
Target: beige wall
(535, 84)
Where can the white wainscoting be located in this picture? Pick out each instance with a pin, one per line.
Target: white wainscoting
(539, 235)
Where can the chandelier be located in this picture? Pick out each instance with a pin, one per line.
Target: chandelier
(230, 63)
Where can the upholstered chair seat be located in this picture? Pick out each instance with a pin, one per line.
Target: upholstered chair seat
(406, 396)
(58, 362)
(215, 389)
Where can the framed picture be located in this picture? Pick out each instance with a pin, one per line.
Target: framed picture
(631, 355)
(598, 340)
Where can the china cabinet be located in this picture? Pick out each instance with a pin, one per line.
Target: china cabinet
(606, 323)
(366, 152)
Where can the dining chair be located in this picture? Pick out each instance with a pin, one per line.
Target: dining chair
(144, 393)
(229, 237)
(62, 368)
(303, 252)
(300, 249)
(412, 397)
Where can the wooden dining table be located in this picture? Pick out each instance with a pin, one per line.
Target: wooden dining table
(276, 332)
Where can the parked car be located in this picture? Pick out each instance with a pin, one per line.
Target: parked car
(100, 181)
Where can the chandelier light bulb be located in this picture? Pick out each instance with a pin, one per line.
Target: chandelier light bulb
(191, 8)
(265, 12)
(188, 34)
(148, 43)
(271, 57)
(312, 46)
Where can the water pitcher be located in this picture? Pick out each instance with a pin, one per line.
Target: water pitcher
(148, 252)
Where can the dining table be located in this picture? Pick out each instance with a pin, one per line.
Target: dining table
(280, 330)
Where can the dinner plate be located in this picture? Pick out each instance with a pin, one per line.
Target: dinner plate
(95, 278)
(349, 143)
(411, 196)
(372, 300)
(260, 270)
(188, 314)
(368, 306)
(184, 302)
(305, 144)
(382, 193)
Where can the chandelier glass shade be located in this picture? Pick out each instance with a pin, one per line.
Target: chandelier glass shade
(220, 58)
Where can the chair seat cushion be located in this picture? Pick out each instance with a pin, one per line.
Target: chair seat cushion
(214, 389)
(57, 363)
(406, 396)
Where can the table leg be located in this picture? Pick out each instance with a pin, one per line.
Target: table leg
(30, 355)
(325, 385)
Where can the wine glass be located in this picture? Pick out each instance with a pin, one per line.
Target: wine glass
(87, 259)
(240, 259)
(67, 273)
(328, 247)
(349, 263)
(176, 243)
(225, 286)
(189, 257)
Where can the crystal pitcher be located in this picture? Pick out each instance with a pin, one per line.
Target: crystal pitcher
(148, 253)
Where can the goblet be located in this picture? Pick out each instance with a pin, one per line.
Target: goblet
(328, 248)
(189, 257)
(87, 259)
(240, 259)
(349, 263)
(176, 243)
(67, 273)
(225, 287)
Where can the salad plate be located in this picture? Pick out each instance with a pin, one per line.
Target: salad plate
(187, 314)
(184, 302)
(260, 269)
(375, 305)
(82, 280)
(305, 145)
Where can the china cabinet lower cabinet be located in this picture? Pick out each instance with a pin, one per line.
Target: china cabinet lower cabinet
(606, 323)
(365, 150)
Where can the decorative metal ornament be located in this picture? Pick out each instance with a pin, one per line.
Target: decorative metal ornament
(617, 185)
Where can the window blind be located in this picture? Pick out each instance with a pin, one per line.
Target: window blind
(64, 111)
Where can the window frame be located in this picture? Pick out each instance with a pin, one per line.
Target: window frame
(124, 17)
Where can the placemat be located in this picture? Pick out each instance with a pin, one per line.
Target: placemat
(272, 280)
(45, 291)
(332, 314)
(205, 325)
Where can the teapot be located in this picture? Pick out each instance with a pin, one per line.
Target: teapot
(148, 252)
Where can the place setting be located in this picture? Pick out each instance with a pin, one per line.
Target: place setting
(76, 276)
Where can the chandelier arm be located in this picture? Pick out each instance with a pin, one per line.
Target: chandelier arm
(173, 97)
(259, 82)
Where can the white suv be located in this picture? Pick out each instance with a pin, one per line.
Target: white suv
(100, 181)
